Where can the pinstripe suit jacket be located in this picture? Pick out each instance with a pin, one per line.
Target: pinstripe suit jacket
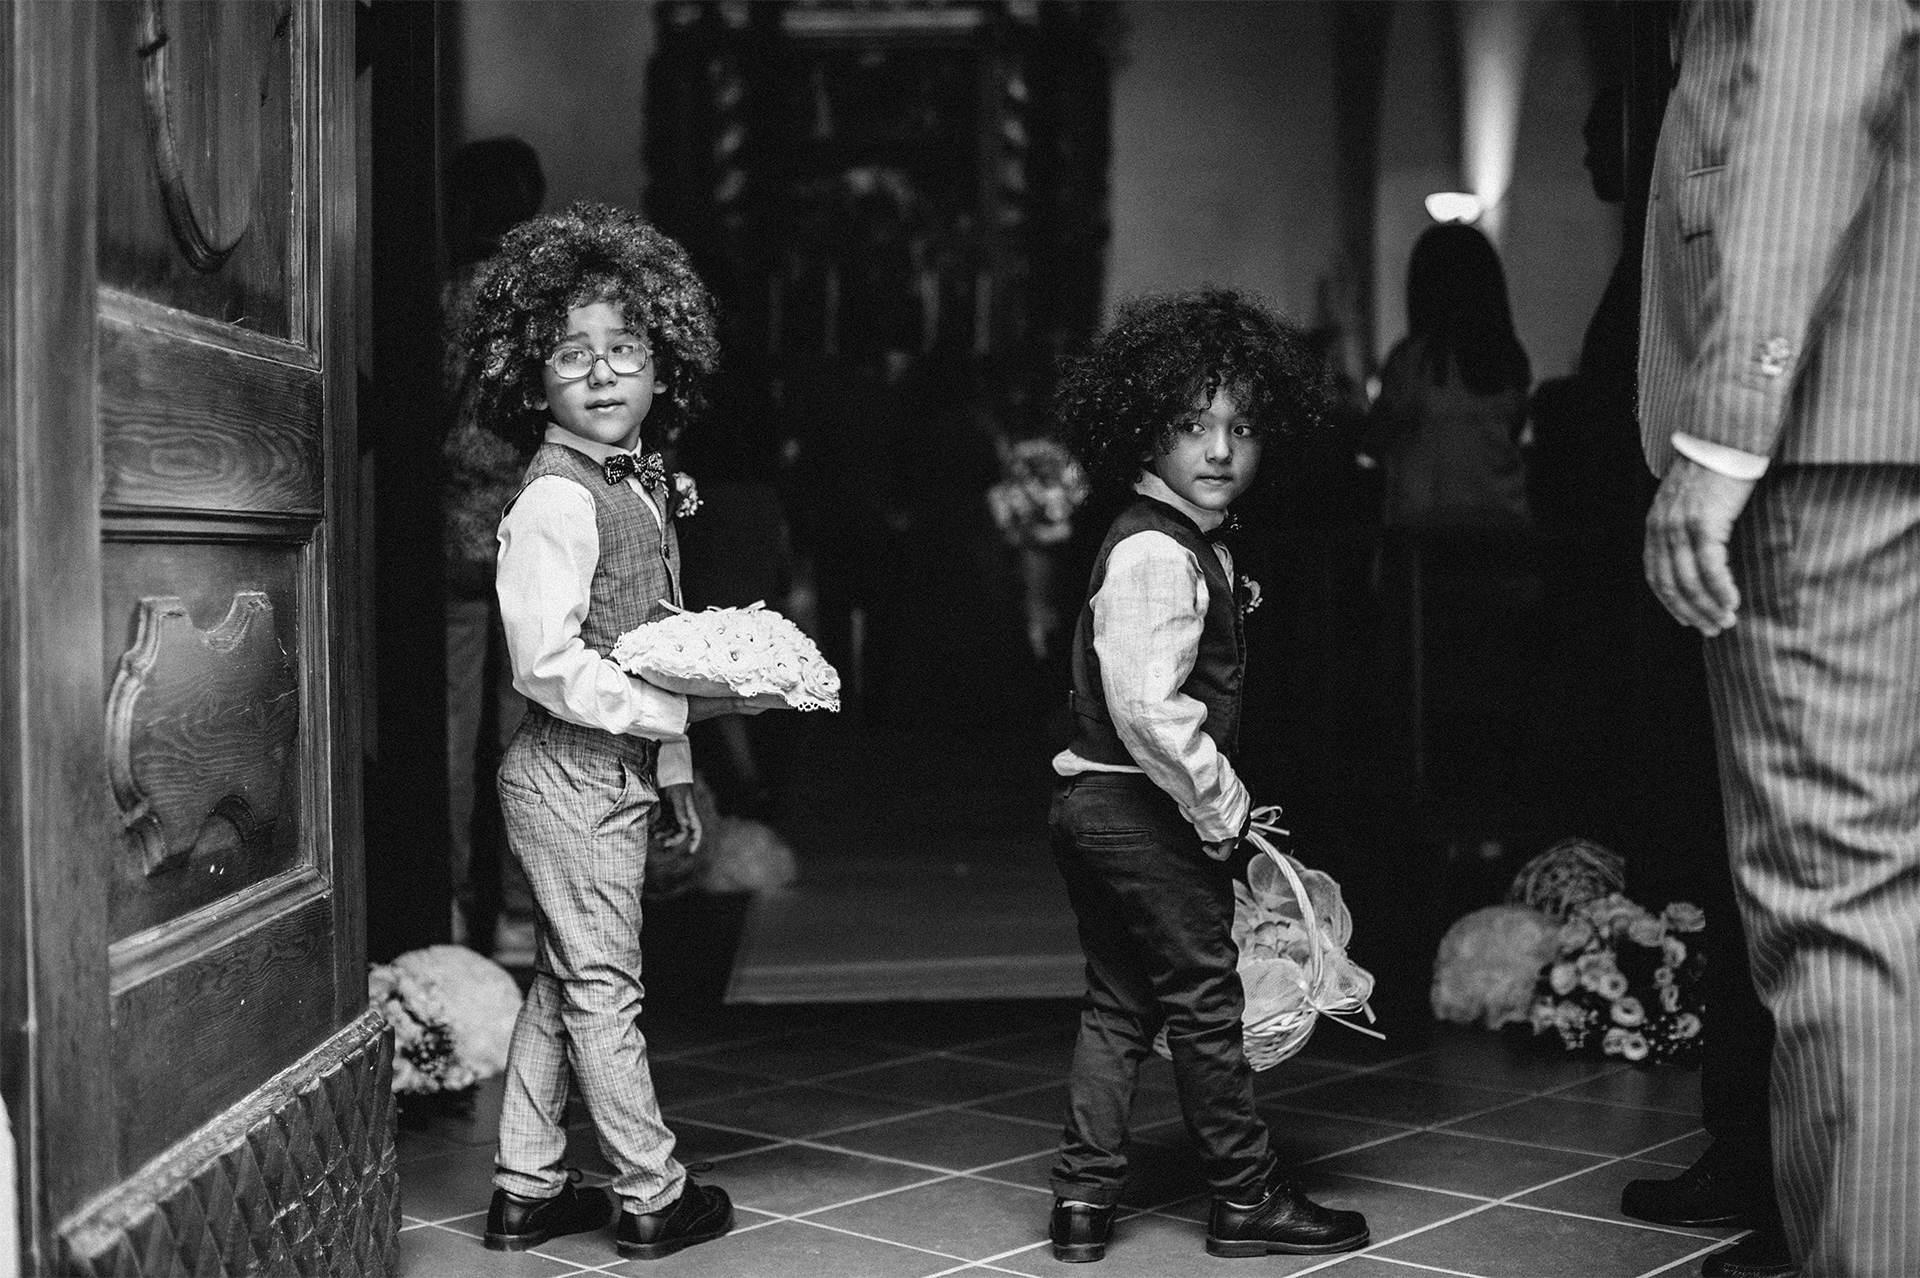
(1781, 312)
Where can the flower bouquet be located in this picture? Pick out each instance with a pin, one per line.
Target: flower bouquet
(731, 652)
(1624, 982)
(452, 1013)
(1042, 486)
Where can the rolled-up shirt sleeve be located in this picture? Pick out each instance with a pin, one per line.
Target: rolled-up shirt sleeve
(1148, 616)
(549, 547)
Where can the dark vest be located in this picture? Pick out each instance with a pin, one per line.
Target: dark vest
(639, 566)
(1219, 668)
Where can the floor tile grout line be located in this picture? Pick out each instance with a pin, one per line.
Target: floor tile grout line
(1624, 1220)
(1431, 1269)
(1689, 1258)
(878, 1193)
(893, 1242)
(1504, 1201)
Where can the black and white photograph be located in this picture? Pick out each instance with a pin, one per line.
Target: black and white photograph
(936, 638)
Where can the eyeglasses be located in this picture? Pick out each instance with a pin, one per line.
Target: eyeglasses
(571, 363)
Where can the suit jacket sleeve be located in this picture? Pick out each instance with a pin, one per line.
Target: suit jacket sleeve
(1819, 89)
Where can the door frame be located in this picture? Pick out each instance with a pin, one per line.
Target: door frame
(57, 817)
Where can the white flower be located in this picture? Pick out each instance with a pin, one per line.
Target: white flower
(1575, 934)
(1615, 1041)
(1673, 951)
(1564, 978)
(1669, 998)
(1647, 931)
(1628, 1011)
(1251, 589)
(1613, 985)
(1634, 1047)
(1686, 1025)
(686, 495)
(1685, 916)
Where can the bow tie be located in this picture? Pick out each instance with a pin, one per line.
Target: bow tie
(651, 468)
(1225, 531)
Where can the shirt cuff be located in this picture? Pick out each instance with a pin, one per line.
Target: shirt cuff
(675, 765)
(1734, 463)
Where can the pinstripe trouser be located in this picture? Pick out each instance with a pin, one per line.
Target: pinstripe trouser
(577, 804)
(1816, 699)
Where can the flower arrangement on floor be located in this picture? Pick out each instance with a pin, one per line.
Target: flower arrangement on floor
(1041, 486)
(745, 652)
(1489, 963)
(1582, 966)
(452, 1013)
(1625, 981)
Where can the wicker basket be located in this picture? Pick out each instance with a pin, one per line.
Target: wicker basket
(1329, 983)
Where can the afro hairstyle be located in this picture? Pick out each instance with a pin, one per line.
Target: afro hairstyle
(587, 253)
(1163, 358)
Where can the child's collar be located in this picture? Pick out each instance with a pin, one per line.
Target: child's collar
(1151, 485)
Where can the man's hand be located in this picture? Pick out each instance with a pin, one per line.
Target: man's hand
(1218, 849)
(1686, 550)
(687, 833)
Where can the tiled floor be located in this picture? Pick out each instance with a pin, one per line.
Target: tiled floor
(914, 1139)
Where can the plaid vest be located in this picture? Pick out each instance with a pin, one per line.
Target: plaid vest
(639, 569)
(1219, 668)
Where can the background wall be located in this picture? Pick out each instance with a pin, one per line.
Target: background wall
(1561, 242)
(1223, 150)
(569, 76)
(1224, 144)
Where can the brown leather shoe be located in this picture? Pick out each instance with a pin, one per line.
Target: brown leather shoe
(515, 1223)
(701, 1214)
(1285, 1223)
(1079, 1231)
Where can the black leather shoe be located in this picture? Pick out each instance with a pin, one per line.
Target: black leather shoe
(1761, 1254)
(1079, 1231)
(1719, 1189)
(701, 1214)
(1285, 1222)
(515, 1223)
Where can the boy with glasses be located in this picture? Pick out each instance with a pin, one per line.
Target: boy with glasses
(588, 329)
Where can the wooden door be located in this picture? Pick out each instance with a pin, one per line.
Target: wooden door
(208, 1091)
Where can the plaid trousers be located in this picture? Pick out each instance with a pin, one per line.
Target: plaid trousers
(577, 804)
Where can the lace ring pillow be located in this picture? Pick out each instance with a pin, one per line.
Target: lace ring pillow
(731, 652)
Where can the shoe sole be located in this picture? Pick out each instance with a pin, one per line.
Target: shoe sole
(1232, 1250)
(1079, 1253)
(658, 1250)
(1726, 1218)
(516, 1242)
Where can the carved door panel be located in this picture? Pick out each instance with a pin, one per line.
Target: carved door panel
(249, 1115)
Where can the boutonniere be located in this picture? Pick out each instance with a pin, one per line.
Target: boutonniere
(1249, 594)
(686, 495)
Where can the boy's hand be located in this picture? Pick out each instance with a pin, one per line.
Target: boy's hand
(687, 832)
(699, 708)
(1218, 849)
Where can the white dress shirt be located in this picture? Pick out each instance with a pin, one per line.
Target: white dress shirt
(549, 547)
(1148, 616)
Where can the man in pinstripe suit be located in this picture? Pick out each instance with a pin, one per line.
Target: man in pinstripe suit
(1780, 402)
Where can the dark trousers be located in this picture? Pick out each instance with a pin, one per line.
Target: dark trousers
(1155, 917)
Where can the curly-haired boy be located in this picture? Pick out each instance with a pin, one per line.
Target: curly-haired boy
(1175, 402)
(589, 333)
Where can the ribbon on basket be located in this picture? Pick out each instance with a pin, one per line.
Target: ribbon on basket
(1329, 983)
(1293, 961)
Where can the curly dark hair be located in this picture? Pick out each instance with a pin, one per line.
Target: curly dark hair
(1116, 405)
(588, 253)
